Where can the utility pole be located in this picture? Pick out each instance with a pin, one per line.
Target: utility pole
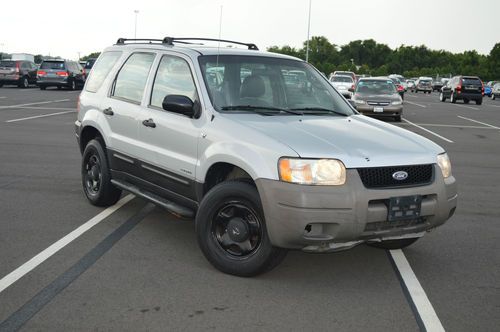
(135, 25)
(308, 30)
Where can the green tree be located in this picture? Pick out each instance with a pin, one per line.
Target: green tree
(90, 56)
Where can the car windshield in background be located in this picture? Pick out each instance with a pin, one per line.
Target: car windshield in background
(269, 85)
(89, 64)
(471, 81)
(343, 79)
(376, 87)
(52, 65)
(7, 64)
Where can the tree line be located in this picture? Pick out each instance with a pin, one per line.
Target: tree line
(372, 58)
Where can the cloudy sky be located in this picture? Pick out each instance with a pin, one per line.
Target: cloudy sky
(67, 27)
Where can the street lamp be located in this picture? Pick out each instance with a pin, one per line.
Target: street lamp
(135, 26)
(308, 30)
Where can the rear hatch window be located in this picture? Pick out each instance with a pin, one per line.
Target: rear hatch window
(341, 79)
(7, 64)
(471, 81)
(53, 65)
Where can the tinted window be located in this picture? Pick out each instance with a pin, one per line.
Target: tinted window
(132, 77)
(90, 63)
(9, 64)
(101, 70)
(471, 81)
(172, 78)
(52, 65)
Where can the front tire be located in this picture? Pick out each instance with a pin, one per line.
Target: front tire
(72, 86)
(96, 178)
(493, 96)
(442, 98)
(393, 244)
(24, 83)
(231, 231)
(453, 99)
(397, 118)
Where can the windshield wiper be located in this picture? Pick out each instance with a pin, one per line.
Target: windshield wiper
(319, 109)
(265, 108)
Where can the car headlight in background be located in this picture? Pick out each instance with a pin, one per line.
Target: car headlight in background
(312, 171)
(397, 102)
(445, 164)
(359, 102)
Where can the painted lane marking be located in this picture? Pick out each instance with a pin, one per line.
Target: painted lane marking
(430, 132)
(485, 105)
(483, 123)
(470, 107)
(16, 320)
(448, 126)
(3, 97)
(422, 308)
(420, 105)
(39, 116)
(21, 271)
(48, 108)
(37, 103)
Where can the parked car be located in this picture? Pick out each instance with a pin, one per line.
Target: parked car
(423, 84)
(88, 65)
(437, 84)
(488, 88)
(343, 84)
(401, 79)
(411, 84)
(17, 72)
(261, 164)
(495, 91)
(345, 73)
(399, 86)
(464, 88)
(60, 73)
(378, 96)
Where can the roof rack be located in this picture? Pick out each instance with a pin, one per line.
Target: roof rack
(122, 41)
(171, 40)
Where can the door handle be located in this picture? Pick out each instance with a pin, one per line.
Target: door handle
(108, 111)
(149, 123)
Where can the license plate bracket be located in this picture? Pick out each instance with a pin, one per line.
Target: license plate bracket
(404, 208)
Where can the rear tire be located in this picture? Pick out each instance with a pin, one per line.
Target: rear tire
(479, 101)
(442, 98)
(394, 244)
(453, 99)
(72, 86)
(231, 231)
(96, 178)
(492, 96)
(43, 87)
(59, 87)
(397, 118)
(24, 83)
(466, 101)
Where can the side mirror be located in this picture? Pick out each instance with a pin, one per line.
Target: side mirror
(179, 104)
(353, 104)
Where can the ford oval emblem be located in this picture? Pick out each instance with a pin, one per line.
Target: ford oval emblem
(400, 175)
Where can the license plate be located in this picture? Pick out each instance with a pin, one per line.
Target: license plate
(378, 109)
(406, 207)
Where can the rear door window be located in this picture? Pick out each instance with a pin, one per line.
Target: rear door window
(101, 70)
(131, 79)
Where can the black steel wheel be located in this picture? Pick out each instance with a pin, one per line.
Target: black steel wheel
(231, 230)
(96, 178)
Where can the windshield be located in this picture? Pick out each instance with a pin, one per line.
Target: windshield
(274, 85)
(376, 87)
(343, 79)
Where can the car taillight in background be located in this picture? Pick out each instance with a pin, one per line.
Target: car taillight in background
(459, 87)
(41, 73)
(62, 73)
(17, 67)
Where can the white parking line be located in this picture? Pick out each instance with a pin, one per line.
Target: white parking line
(483, 123)
(409, 102)
(472, 108)
(39, 116)
(430, 132)
(37, 103)
(449, 126)
(47, 108)
(423, 306)
(3, 97)
(18, 273)
(486, 104)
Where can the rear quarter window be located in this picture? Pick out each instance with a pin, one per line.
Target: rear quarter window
(100, 71)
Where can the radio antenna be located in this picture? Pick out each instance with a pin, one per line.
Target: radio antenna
(220, 33)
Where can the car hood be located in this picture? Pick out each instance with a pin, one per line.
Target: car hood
(378, 97)
(358, 141)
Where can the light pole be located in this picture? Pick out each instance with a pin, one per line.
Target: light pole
(308, 30)
(135, 25)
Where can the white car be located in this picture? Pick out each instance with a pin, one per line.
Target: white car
(343, 84)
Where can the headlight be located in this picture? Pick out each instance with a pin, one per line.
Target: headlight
(445, 164)
(312, 171)
(359, 102)
(397, 102)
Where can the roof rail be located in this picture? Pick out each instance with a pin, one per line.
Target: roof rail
(122, 41)
(171, 40)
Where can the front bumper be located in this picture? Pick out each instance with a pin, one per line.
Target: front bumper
(331, 218)
(388, 110)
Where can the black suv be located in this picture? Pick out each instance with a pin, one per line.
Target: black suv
(466, 88)
(60, 73)
(17, 72)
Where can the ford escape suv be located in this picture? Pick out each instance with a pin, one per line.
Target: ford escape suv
(263, 163)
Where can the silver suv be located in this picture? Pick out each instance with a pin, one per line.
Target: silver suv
(259, 148)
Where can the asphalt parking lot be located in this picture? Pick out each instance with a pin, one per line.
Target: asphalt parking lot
(139, 268)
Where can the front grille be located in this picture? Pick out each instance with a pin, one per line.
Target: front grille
(378, 103)
(381, 177)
